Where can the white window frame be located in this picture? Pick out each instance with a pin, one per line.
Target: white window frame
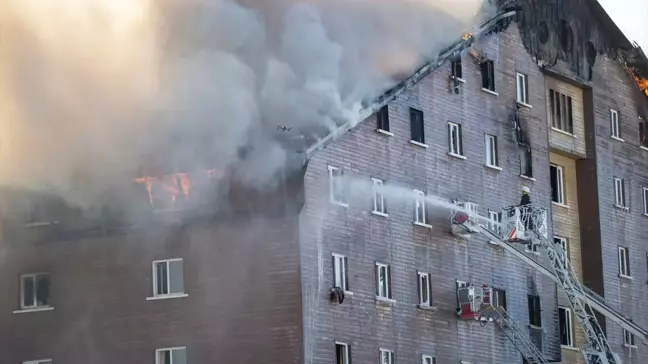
(340, 271)
(419, 208)
(158, 351)
(629, 339)
(624, 262)
(383, 291)
(494, 221)
(346, 351)
(492, 157)
(645, 200)
(39, 361)
(379, 197)
(522, 88)
(386, 354)
(454, 134)
(615, 129)
(619, 192)
(564, 243)
(337, 200)
(570, 326)
(425, 278)
(35, 306)
(428, 359)
(157, 295)
(560, 176)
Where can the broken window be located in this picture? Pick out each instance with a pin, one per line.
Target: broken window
(34, 290)
(488, 75)
(416, 125)
(526, 169)
(498, 298)
(178, 191)
(643, 133)
(535, 318)
(382, 117)
(456, 69)
(560, 107)
(566, 330)
(557, 184)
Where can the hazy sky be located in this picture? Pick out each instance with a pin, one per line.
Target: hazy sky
(631, 16)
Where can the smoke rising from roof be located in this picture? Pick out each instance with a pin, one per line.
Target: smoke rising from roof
(92, 90)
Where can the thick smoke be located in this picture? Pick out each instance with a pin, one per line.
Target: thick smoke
(92, 90)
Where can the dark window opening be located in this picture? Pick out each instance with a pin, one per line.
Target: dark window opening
(565, 324)
(560, 106)
(643, 133)
(383, 118)
(526, 162)
(416, 125)
(488, 75)
(543, 33)
(566, 36)
(499, 298)
(457, 70)
(535, 317)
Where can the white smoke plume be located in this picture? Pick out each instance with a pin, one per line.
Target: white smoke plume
(92, 90)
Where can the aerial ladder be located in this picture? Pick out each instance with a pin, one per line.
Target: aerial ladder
(528, 225)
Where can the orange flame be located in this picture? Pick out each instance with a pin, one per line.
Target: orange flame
(642, 83)
(467, 36)
(176, 185)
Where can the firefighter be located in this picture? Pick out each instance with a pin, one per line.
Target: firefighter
(526, 199)
(525, 208)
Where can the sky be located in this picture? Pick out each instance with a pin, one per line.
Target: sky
(631, 16)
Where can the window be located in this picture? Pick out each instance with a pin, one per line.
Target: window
(336, 186)
(386, 356)
(457, 71)
(522, 88)
(645, 200)
(171, 356)
(342, 353)
(643, 133)
(383, 279)
(624, 262)
(628, 338)
(168, 277)
(488, 75)
(426, 359)
(526, 169)
(535, 318)
(619, 192)
(34, 290)
(495, 219)
(382, 118)
(566, 331)
(492, 159)
(557, 184)
(531, 248)
(424, 289)
(560, 106)
(563, 244)
(499, 298)
(454, 137)
(378, 197)
(614, 124)
(416, 125)
(340, 268)
(419, 211)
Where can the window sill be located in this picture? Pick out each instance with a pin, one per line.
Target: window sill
(497, 168)
(422, 224)
(459, 79)
(563, 132)
(36, 309)
(490, 91)
(527, 177)
(625, 277)
(645, 214)
(493, 243)
(532, 252)
(536, 327)
(167, 297)
(528, 106)
(644, 148)
(348, 293)
(41, 223)
(385, 301)
(629, 346)
(384, 132)
(559, 204)
(422, 145)
(378, 213)
(456, 155)
(617, 138)
(624, 208)
(567, 347)
(336, 203)
(427, 307)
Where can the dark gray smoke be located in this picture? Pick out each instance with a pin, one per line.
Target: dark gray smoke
(90, 91)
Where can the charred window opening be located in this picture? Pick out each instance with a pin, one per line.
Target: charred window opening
(590, 53)
(535, 317)
(457, 71)
(416, 125)
(566, 37)
(177, 191)
(643, 132)
(560, 106)
(382, 118)
(488, 75)
(543, 33)
(526, 168)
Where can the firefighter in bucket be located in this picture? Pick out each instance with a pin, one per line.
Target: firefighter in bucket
(526, 211)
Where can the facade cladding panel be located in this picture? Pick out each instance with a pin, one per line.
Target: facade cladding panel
(366, 238)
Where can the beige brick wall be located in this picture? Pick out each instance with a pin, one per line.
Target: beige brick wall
(566, 225)
(573, 144)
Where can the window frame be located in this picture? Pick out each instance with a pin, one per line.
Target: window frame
(341, 267)
(644, 191)
(347, 352)
(643, 133)
(615, 127)
(495, 224)
(538, 313)
(456, 64)
(333, 186)
(452, 127)
(35, 305)
(419, 202)
(168, 278)
(417, 117)
(487, 69)
(628, 339)
(382, 119)
(495, 298)
(526, 160)
(623, 255)
(522, 89)
(559, 104)
(560, 184)
(377, 189)
(157, 351)
(492, 154)
(388, 352)
(388, 291)
(569, 322)
(619, 192)
(421, 276)
(428, 359)
(564, 243)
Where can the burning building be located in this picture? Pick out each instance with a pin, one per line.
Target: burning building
(351, 253)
